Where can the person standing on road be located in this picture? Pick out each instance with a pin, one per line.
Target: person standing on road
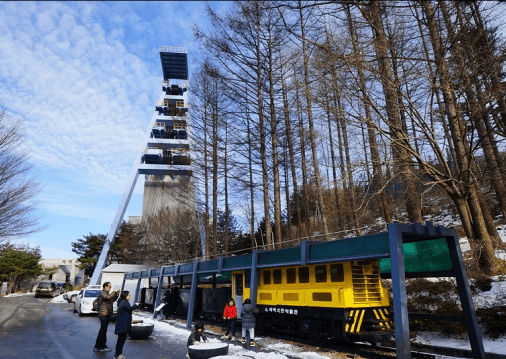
(105, 301)
(248, 312)
(123, 322)
(230, 314)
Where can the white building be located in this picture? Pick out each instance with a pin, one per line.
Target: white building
(114, 273)
(68, 270)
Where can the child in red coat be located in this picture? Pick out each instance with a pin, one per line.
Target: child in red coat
(230, 314)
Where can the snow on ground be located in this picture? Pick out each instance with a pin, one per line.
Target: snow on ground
(17, 294)
(58, 299)
(497, 346)
(495, 297)
(175, 331)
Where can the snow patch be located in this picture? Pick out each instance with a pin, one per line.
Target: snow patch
(497, 346)
(58, 299)
(17, 295)
(495, 297)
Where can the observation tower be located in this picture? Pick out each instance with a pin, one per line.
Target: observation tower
(165, 160)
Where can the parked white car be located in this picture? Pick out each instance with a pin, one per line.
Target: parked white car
(83, 302)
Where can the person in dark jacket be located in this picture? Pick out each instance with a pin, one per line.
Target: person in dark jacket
(105, 301)
(195, 336)
(248, 312)
(167, 299)
(123, 322)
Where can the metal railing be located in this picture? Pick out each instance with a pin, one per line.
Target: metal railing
(179, 103)
(180, 83)
(183, 50)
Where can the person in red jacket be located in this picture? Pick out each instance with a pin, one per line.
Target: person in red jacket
(230, 314)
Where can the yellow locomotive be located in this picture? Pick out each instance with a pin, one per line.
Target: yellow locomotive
(345, 301)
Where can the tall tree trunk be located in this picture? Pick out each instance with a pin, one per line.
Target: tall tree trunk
(274, 143)
(334, 171)
(476, 115)
(346, 192)
(263, 152)
(291, 153)
(378, 180)
(349, 171)
(481, 244)
(206, 187)
(287, 197)
(312, 136)
(402, 159)
(225, 173)
(437, 92)
(215, 178)
(303, 164)
(251, 184)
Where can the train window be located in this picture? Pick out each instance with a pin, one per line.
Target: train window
(336, 272)
(322, 297)
(165, 282)
(277, 276)
(247, 277)
(267, 277)
(291, 275)
(320, 274)
(304, 275)
(238, 284)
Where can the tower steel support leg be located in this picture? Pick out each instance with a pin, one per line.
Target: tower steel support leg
(465, 296)
(102, 260)
(402, 344)
(193, 294)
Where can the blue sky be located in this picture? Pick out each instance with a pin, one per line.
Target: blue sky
(84, 77)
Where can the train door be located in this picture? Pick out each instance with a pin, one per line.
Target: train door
(240, 288)
(238, 291)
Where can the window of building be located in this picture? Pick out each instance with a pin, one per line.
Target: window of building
(336, 272)
(277, 276)
(267, 277)
(320, 274)
(304, 275)
(291, 275)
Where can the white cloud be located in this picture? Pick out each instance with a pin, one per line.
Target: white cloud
(86, 100)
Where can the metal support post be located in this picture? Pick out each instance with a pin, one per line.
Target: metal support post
(403, 347)
(466, 299)
(193, 294)
(158, 293)
(253, 283)
(137, 287)
(303, 253)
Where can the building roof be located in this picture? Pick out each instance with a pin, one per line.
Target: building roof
(124, 268)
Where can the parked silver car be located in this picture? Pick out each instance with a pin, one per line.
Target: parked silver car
(71, 296)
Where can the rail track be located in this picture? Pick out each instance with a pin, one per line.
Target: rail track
(386, 350)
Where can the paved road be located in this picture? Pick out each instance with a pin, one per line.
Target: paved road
(34, 328)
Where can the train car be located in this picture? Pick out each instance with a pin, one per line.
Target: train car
(343, 301)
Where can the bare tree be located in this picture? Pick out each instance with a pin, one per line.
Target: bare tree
(18, 186)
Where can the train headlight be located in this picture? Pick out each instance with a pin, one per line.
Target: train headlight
(350, 320)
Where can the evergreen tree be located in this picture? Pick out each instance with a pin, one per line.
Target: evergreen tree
(89, 248)
(20, 262)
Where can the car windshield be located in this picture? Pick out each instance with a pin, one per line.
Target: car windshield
(44, 285)
(92, 293)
